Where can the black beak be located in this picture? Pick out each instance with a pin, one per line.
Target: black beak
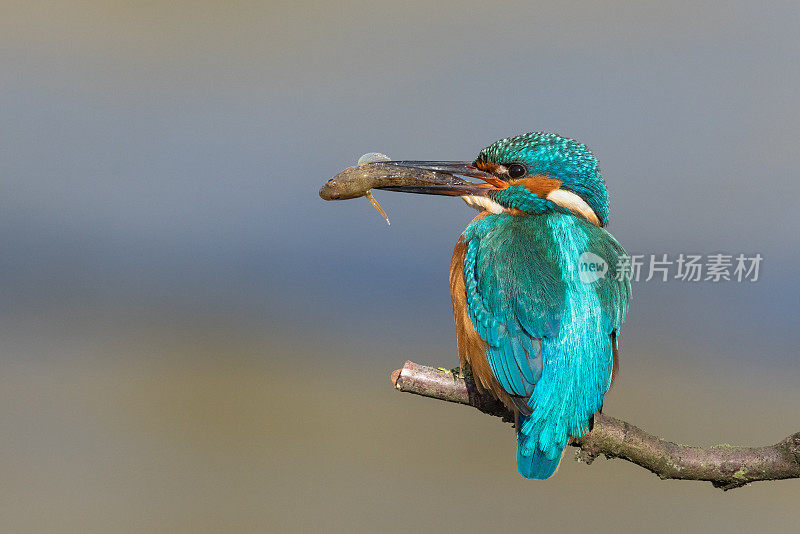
(446, 187)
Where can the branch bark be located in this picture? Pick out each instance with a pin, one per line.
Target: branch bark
(726, 467)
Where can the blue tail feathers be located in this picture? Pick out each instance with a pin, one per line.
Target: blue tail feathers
(536, 465)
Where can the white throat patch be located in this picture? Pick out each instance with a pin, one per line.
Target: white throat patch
(562, 197)
(482, 203)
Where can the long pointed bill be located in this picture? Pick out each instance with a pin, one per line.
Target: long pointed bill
(441, 178)
(425, 177)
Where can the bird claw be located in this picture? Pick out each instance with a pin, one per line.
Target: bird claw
(457, 372)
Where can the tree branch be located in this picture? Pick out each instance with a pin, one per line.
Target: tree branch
(726, 467)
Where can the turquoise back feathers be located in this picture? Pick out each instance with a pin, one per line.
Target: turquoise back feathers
(548, 333)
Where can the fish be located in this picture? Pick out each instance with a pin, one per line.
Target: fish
(358, 181)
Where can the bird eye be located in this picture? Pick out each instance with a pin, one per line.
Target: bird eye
(515, 170)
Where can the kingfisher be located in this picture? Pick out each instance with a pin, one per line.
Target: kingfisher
(537, 287)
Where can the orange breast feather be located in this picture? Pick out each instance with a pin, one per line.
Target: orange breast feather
(471, 348)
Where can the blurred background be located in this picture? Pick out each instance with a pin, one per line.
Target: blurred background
(192, 341)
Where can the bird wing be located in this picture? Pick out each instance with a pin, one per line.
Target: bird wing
(515, 294)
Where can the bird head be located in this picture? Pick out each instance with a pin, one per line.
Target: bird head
(533, 169)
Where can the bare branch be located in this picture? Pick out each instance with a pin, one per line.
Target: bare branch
(724, 466)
